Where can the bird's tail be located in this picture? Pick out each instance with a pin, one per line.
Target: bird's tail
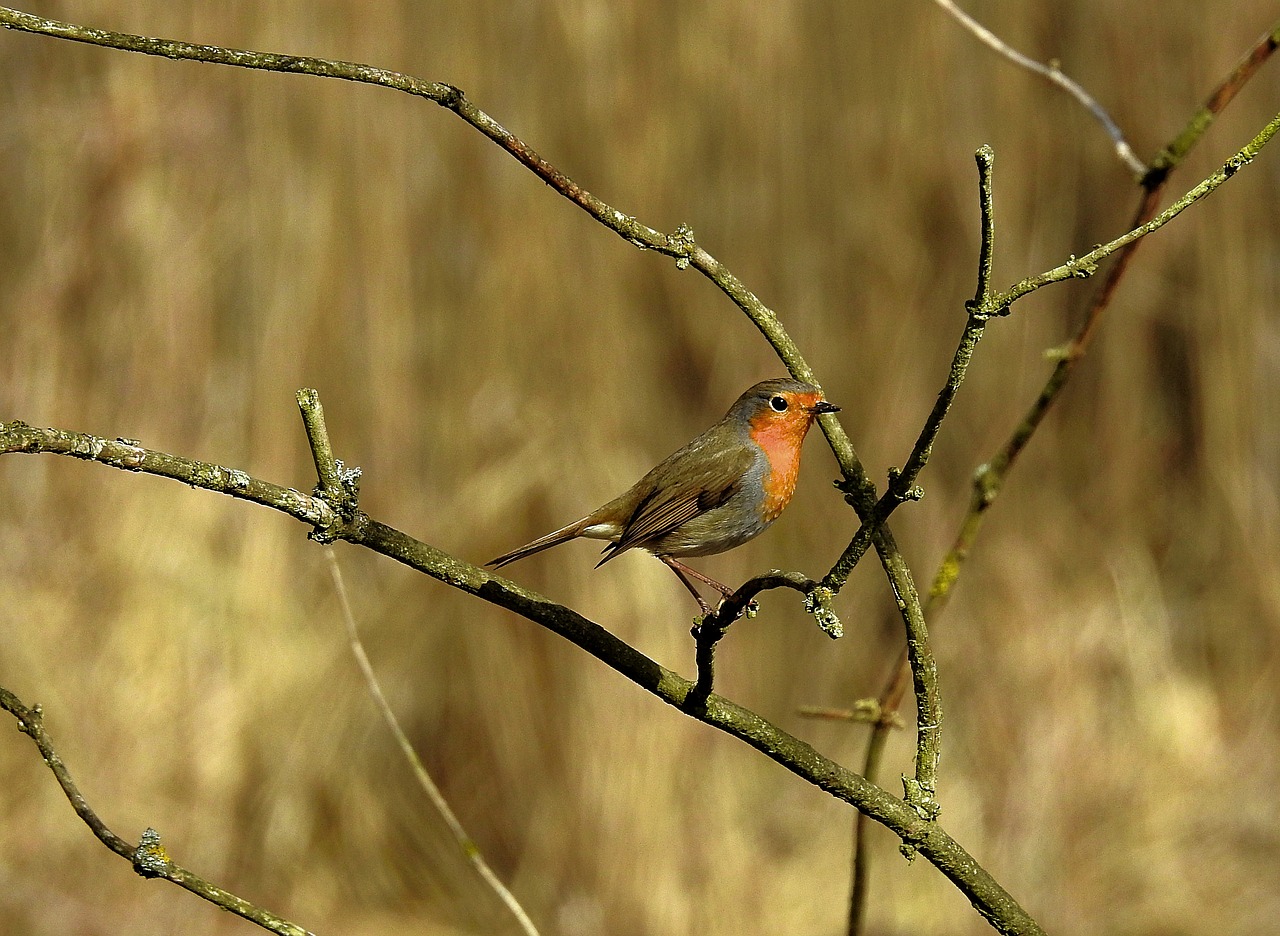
(562, 535)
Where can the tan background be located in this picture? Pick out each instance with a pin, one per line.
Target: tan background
(184, 245)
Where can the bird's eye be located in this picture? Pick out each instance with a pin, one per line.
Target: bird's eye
(778, 403)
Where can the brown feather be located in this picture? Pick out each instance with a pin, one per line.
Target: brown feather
(709, 474)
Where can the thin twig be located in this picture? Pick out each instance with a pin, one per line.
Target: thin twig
(1085, 266)
(1174, 153)
(466, 845)
(902, 482)
(1054, 74)
(149, 858)
(997, 304)
(711, 629)
(327, 467)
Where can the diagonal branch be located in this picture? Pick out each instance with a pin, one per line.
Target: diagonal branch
(902, 481)
(1055, 75)
(680, 245)
(1177, 149)
(149, 858)
(904, 819)
(1085, 266)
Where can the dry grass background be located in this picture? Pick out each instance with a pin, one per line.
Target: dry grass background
(185, 245)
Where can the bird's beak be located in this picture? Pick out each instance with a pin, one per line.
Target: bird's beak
(822, 406)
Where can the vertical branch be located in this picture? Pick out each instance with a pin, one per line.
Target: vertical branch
(892, 697)
(327, 467)
(985, 157)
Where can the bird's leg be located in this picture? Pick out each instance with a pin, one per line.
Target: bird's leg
(680, 567)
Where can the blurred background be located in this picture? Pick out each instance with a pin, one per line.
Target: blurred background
(183, 246)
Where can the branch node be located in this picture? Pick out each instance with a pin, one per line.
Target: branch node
(921, 799)
(339, 486)
(682, 245)
(1081, 268)
(29, 722)
(451, 97)
(986, 310)
(150, 860)
(986, 483)
(1235, 164)
(818, 601)
(895, 488)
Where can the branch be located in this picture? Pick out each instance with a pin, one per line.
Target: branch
(1085, 266)
(1055, 75)
(990, 477)
(149, 858)
(1176, 151)
(679, 245)
(986, 305)
(711, 629)
(902, 481)
(903, 818)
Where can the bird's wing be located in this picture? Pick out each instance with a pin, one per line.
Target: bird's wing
(706, 480)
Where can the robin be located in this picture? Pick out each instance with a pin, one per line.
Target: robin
(723, 488)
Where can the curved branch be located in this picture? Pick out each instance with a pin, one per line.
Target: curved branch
(149, 858)
(679, 245)
(918, 833)
(1055, 75)
(709, 631)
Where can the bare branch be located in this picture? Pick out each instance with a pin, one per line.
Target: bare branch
(711, 629)
(1054, 74)
(859, 489)
(149, 858)
(902, 482)
(1201, 120)
(1086, 265)
(679, 245)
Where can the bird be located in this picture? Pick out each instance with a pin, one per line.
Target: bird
(724, 488)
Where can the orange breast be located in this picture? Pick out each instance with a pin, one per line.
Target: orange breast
(781, 440)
